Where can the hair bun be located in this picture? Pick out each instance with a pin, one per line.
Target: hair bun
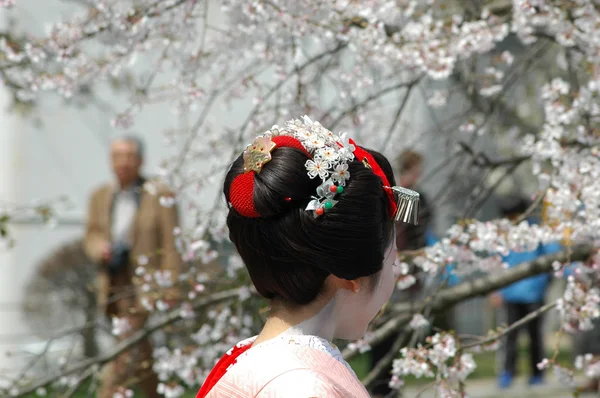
(288, 252)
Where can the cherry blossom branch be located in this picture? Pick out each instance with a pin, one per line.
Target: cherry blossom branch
(380, 334)
(529, 317)
(482, 160)
(275, 88)
(516, 72)
(401, 341)
(135, 338)
(500, 7)
(80, 380)
(385, 362)
(34, 361)
(484, 105)
(487, 284)
(536, 203)
(485, 195)
(399, 112)
(478, 287)
(405, 84)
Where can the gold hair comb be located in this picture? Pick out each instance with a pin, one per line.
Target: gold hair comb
(258, 153)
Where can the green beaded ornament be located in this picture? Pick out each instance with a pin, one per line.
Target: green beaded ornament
(328, 205)
(340, 189)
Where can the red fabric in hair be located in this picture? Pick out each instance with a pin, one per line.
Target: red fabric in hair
(241, 192)
(290, 142)
(361, 155)
(241, 195)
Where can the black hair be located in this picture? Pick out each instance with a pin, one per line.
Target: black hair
(288, 252)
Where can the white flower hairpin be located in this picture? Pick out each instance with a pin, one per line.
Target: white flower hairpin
(330, 156)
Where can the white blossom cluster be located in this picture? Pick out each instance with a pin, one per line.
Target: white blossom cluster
(418, 321)
(123, 393)
(579, 306)
(361, 346)
(439, 359)
(480, 246)
(590, 364)
(190, 365)
(120, 326)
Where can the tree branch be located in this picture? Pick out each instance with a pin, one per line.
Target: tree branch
(482, 160)
(385, 362)
(490, 283)
(481, 286)
(374, 96)
(516, 325)
(538, 201)
(126, 344)
(399, 113)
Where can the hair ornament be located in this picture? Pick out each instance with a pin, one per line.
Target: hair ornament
(326, 192)
(255, 156)
(258, 153)
(328, 157)
(407, 205)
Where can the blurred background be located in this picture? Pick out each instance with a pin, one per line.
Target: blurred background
(56, 149)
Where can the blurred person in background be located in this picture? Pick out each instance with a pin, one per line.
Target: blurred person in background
(408, 237)
(522, 298)
(128, 227)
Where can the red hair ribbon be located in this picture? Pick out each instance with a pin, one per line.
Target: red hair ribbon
(366, 157)
(241, 192)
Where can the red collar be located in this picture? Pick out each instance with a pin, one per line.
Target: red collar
(220, 369)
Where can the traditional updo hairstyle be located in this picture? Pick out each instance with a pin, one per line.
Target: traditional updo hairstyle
(288, 252)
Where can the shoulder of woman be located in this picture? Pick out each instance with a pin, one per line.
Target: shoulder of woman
(303, 383)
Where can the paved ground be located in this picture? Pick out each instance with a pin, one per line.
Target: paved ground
(487, 389)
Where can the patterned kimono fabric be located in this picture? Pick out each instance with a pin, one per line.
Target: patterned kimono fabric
(286, 366)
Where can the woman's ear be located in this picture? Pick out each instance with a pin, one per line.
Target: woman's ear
(351, 285)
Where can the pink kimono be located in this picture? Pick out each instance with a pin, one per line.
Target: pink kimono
(286, 366)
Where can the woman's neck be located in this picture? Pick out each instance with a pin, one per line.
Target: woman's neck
(314, 319)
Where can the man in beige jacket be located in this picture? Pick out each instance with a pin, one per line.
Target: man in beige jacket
(130, 225)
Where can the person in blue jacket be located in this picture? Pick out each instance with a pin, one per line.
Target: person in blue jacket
(522, 298)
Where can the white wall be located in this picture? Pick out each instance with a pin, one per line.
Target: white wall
(10, 322)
